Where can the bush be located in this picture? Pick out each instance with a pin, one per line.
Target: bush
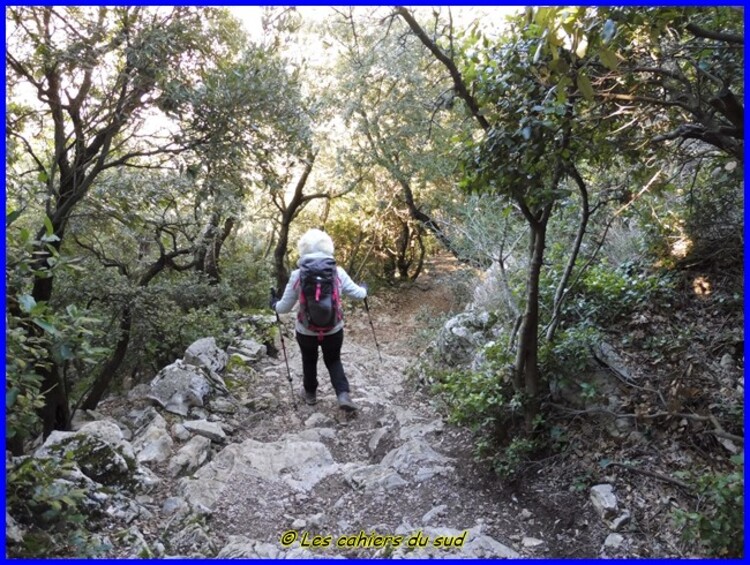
(718, 521)
(484, 400)
(36, 333)
(608, 294)
(50, 509)
(570, 353)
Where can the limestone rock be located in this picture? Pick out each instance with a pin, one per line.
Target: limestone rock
(462, 336)
(211, 430)
(416, 457)
(433, 514)
(193, 539)
(288, 464)
(613, 540)
(180, 432)
(248, 348)
(138, 418)
(531, 542)
(173, 505)
(376, 438)
(604, 500)
(222, 406)
(420, 429)
(190, 456)
(155, 443)
(179, 386)
(205, 353)
(368, 477)
(317, 420)
(13, 532)
(99, 450)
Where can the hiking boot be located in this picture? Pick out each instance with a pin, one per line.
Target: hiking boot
(308, 397)
(345, 403)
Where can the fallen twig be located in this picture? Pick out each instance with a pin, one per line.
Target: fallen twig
(652, 474)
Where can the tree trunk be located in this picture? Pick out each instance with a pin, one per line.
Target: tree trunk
(526, 377)
(430, 224)
(55, 414)
(422, 251)
(279, 253)
(101, 384)
(560, 293)
(402, 262)
(211, 261)
(288, 214)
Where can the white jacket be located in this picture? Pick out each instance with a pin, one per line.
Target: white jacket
(291, 294)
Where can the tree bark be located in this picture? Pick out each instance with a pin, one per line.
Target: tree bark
(103, 380)
(211, 263)
(402, 262)
(279, 254)
(526, 374)
(562, 287)
(288, 214)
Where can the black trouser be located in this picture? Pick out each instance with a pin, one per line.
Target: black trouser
(331, 345)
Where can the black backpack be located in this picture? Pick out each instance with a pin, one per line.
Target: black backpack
(319, 295)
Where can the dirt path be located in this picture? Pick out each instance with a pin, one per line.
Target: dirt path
(396, 468)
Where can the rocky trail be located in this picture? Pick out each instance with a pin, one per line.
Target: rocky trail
(219, 462)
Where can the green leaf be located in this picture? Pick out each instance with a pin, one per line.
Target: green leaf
(560, 66)
(562, 96)
(608, 59)
(48, 226)
(42, 176)
(24, 236)
(64, 352)
(584, 86)
(11, 217)
(26, 302)
(47, 327)
(10, 398)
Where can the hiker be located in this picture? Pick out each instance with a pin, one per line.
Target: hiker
(315, 264)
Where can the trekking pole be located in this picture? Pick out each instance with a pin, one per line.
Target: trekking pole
(286, 361)
(367, 309)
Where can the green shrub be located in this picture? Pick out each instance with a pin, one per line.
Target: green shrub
(484, 400)
(512, 458)
(38, 334)
(570, 353)
(50, 509)
(717, 522)
(609, 293)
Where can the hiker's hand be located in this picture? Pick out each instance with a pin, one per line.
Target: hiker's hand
(274, 299)
(364, 285)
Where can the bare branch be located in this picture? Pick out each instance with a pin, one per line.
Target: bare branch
(717, 35)
(458, 80)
